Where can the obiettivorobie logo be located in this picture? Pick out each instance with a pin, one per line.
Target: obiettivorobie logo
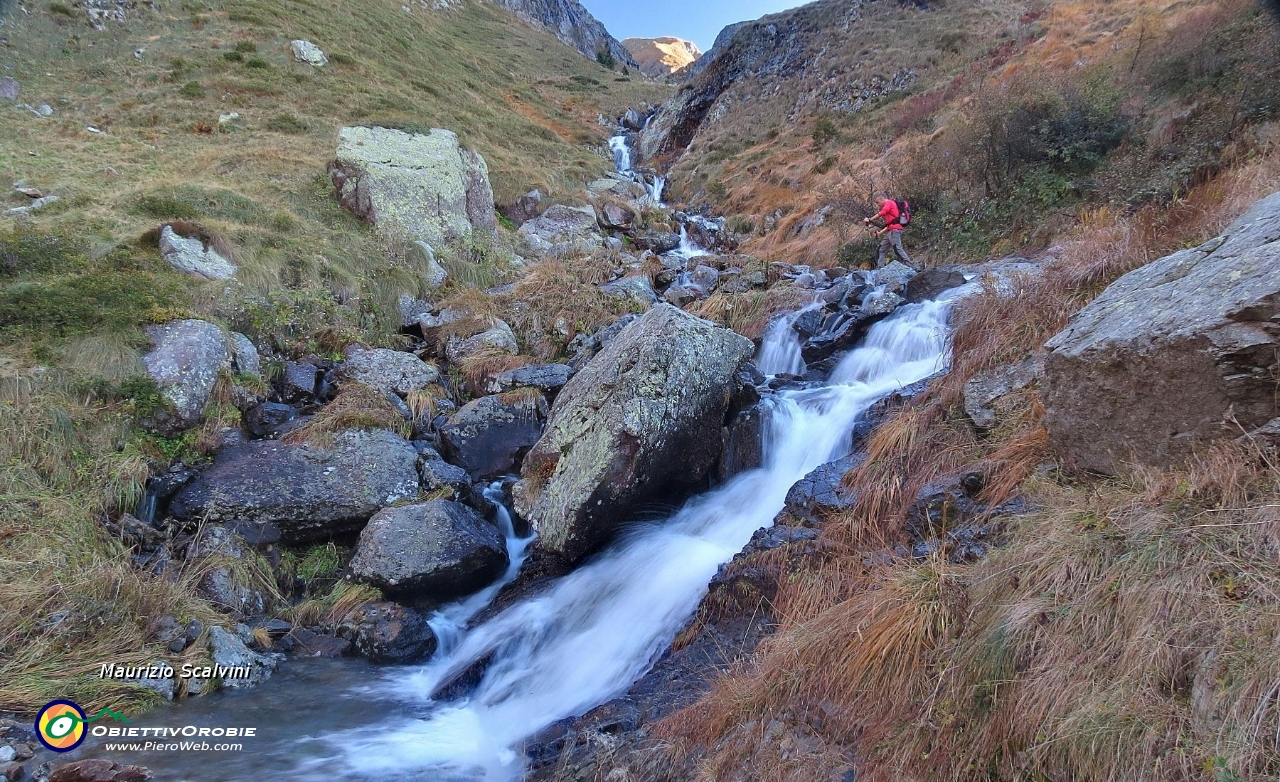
(60, 725)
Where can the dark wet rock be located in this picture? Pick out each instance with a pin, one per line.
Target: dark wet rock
(822, 491)
(307, 491)
(489, 436)
(658, 242)
(437, 474)
(185, 363)
(302, 642)
(743, 443)
(388, 633)
(638, 423)
(894, 276)
(267, 418)
(849, 332)
(297, 384)
(227, 650)
(931, 283)
(1176, 354)
(388, 370)
(983, 391)
(548, 378)
(98, 770)
(439, 548)
(882, 304)
(810, 323)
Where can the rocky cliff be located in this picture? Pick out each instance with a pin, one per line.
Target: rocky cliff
(664, 56)
(572, 24)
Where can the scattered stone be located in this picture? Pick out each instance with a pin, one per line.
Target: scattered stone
(388, 633)
(12, 771)
(34, 206)
(423, 185)
(439, 548)
(388, 370)
(488, 436)
(9, 88)
(499, 337)
(1176, 354)
(563, 230)
(894, 276)
(193, 256)
(308, 52)
(435, 275)
(548, 378)
(228, 651)
(267, 418)
(640, 421)
(186, 361)
(298, 382)
(301, 642)
(307, 491)
(985, 389)
(437, 474)
(98, 770)
(657, 242)
(637, 289)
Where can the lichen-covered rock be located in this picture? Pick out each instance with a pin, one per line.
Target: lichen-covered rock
(1175, 354)
(186, 361)
(424, 186)
(388, 370)
(228, 651)
(388, 633)
(307, 491)
(193, 256)
(563, 230)
(438, 548)
(308, 52)
(547, 378)
(245, 355)
(638, 290)
(641, 421)
(488, 436)
(498, 338)
(984, 390)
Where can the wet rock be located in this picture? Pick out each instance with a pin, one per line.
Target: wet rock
(388, 633)
(228, 651)
(423, 185)
(849, 331)
(931, 283)
(548, 378)
(267, 418)
(636, 289)
(194, 256)
(301, 642)
(894, 276)
(98, 770)
(633, 120)
(985, 389)
(185, 363)
(810, 323)
(11, 771)
(658, 242)
(743, 443)
(882, 304)
(823, 491)
(497, 338)
(1173, 355)
(388, 370)
(640, 421)
(706, 278)
(307, 491)
(488, 436)
(298, 383)
(439, 548)
(308, 52)
(562, 230)
(437, 474)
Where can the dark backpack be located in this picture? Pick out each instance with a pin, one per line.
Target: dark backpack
(904, 212)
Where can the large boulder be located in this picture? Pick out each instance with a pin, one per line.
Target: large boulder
(307, 491)
(388, 370)
(193, 255)
(1177, 353)
(642, 421)
(185, 364)
(388, 633)
(308, 52)
(424, 186)
(489, 435)
(563, 230)
(439, 548)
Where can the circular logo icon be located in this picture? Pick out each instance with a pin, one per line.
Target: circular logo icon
(60, 726)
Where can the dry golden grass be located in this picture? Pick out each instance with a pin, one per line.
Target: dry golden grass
(356, 406)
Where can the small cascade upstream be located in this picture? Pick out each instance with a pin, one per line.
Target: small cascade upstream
(779, 348)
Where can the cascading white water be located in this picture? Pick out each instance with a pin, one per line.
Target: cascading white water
(597, 630)
(621, 153)
(780, 345)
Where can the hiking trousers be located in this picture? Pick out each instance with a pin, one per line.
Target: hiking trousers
(893, 239)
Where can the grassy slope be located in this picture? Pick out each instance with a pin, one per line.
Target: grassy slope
(79, 280)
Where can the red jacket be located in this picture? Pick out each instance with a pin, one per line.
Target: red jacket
(891, 214)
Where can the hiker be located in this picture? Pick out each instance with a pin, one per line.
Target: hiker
(896, 215)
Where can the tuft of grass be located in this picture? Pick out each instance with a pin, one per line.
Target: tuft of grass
(356, 406)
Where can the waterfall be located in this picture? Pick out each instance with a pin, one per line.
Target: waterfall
(584, 640)
(780, 346)
(621, 154)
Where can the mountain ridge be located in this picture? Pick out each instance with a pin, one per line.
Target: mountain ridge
(664, 55)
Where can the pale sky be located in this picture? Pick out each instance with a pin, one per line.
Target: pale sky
(694, 20)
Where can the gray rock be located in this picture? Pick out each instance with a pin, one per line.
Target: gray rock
(637, 289)
(192, 256)
(881, 304)
(186, 361)
(1173, 355)
(640, 421)
(743, 283)
(413, 309)
(245, 355)
(438, 548)
(9, 88)
(7, 753)
(657, 241)
(548, 378)
(680, 295)
(706, 278)
(498, 338)
(488, 436)
(388, 633)
(388, 370)
(982, 391)
(308, 52)
(308, 491)
(613, 243)
(34, 206)
(574, 25)
(822, 491)
(894, 276)
(423, 186)
(563, 230)
(221, 588)
(435, 275)
(299, 382)
(436, 474)
(931, 283)
(227, 650)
